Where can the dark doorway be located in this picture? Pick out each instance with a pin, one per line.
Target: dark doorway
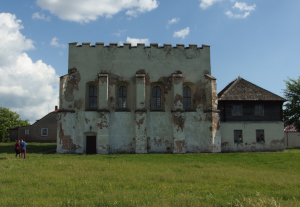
(91, 145)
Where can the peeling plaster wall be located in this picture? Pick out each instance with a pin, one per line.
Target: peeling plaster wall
(130, 131)
(273, 133)
(121, 132)
(159, 132)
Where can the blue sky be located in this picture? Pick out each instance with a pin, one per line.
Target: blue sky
(257, 40)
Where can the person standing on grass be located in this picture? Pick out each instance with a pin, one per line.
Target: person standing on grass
(17, 148)
(23, 148)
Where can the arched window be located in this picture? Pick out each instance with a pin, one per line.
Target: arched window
(156, 95)
(122, 97)
(187, 102)
(92, 97)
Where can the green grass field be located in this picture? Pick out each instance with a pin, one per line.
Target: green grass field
(227, 179)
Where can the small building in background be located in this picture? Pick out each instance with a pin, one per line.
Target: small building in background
(291, 136)
(251, 118)
(43, 130)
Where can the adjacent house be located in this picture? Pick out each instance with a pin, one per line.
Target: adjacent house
(251, 118)
(292, 136)
(43, 130)
(138, 99)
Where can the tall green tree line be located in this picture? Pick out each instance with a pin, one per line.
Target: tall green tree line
(291, 112)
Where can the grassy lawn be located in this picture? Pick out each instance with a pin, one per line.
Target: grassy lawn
(228, 179)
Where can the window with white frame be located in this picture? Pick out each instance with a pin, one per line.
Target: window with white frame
(259, 110)
(44, 131)
(26, 131)
(237, 110)
(260, 136)
(238, 136)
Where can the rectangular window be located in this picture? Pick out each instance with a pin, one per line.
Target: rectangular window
(260, 136)
(44, 131)
(156, 98)
(238, 136)
(237, 110)
(26, 131)
(122, 97)
(259, 110)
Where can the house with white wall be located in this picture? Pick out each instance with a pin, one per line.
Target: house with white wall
(251, 118)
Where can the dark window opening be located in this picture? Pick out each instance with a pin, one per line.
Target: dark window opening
(187, 102)
(236, 110)
(156, 95)
(92, 97)
(260, 136)
(259, 110)
(238, 136)
(122, 97)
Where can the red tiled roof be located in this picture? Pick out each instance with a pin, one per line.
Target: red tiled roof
(55, 111)
(290, 128)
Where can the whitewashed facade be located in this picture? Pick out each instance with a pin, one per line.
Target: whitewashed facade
(169, 104)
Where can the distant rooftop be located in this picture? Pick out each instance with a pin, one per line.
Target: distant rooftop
(290, 128)
(243, 90)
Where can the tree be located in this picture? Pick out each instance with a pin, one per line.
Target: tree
(9, 120)
(291, 112)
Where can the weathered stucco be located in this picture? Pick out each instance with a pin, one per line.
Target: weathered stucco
(273, 134)
(138, 128)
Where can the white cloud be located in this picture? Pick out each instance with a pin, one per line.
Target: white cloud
(61, 53)
(204, 4)
(134, 41)
(37, 15)
(25, 86)
(231, 15)
(55, 43)
(90, 10)
(120, 32)
(182, 33)
(172, 21)
(241, 6)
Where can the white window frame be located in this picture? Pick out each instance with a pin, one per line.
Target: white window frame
(262, 110)
(237, 114)
(42, 132)
(264, 141)
(238, 141)
(26, 131)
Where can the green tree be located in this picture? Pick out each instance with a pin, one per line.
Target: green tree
(291, 112)
(9, 120)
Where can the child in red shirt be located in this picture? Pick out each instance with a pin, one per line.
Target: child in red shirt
(17, 148)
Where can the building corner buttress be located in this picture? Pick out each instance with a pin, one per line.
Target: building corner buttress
(213, 113)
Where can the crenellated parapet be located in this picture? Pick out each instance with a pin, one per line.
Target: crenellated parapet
(129, 45)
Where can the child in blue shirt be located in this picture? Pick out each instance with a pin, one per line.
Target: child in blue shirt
(23, 148)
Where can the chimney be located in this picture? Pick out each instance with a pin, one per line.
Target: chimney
(55, 108)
